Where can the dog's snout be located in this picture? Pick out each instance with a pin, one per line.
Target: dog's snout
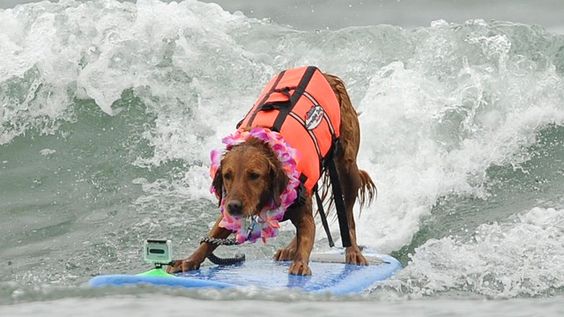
(235, 207)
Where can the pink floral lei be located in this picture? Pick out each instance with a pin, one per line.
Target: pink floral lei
(266, 224)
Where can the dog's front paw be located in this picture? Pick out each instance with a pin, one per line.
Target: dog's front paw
(299, 268)
(354, 256)
(187, 264)
(285, 254)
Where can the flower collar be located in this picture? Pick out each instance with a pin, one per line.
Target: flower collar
(265, 225)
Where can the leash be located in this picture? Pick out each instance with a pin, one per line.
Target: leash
(238, 258)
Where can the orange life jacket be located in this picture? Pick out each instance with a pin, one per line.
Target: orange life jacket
(300, 104)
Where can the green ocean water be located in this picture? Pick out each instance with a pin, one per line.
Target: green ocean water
(108, 112)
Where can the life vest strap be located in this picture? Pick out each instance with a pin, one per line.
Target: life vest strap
(338, 197)
(283, 114)
(323, 217)
(300, 198)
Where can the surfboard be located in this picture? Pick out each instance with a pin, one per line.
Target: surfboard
(330, 275)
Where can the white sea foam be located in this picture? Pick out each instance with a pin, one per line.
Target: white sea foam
(522, 256)
(434, 123)
(47, 152)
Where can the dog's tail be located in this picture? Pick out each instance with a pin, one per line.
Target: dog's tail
(367, 191)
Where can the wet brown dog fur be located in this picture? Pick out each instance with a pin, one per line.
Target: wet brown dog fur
(251, 176)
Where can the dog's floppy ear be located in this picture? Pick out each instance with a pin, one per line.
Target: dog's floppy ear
(217, 184)
(279, 181)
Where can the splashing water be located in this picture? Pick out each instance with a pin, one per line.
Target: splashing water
(108, 111)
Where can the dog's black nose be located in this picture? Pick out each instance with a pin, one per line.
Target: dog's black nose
(235, 207)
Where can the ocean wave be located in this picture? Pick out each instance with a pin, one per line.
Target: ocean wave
(519, 257)
(440, 106)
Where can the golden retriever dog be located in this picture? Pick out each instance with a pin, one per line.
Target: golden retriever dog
(250, 176)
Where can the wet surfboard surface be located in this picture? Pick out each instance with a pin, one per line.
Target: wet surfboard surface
(329, 275)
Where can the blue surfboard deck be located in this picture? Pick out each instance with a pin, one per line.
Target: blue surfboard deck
(329, 276)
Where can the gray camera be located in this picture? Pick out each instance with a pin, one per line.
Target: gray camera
(158, 251)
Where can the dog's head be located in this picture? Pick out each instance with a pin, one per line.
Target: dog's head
(251, 178)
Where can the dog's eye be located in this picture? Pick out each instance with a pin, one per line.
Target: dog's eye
(254, 175)
(227, 176)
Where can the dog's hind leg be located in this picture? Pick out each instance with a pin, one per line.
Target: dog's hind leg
(351, 178)
(351, 182)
